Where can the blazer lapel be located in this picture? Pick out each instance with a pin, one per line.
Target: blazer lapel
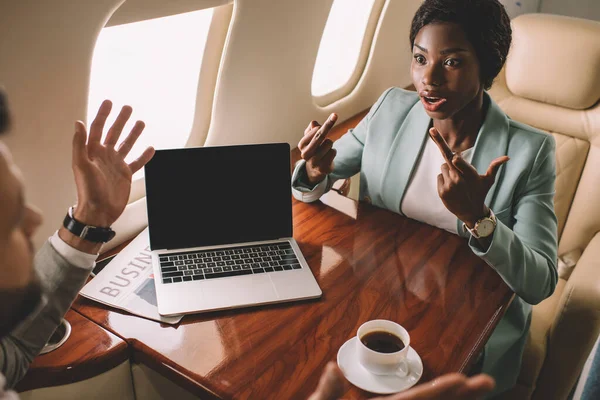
(402, 157)
(491, 143)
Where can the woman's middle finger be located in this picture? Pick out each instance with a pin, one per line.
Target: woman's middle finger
(318, 137)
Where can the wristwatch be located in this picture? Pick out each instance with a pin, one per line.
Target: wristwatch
(88, 232)
(484, 227)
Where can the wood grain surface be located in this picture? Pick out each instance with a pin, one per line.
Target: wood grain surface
(89, 351)
(370, 264)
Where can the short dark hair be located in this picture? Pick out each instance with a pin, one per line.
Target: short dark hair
(485, 22)
(4, 114)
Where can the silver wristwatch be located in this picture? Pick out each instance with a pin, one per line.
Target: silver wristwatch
(484, 227)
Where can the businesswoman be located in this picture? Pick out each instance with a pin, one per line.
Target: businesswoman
(448, 156)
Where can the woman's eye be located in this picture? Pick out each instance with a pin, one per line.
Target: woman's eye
(419, 59)
(451, 62)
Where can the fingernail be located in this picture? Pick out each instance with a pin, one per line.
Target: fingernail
(333, 117)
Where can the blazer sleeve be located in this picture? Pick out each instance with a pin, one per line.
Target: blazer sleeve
(526, 256)
(61, 283)
(347, 161)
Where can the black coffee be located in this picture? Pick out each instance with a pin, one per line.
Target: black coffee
(382, 342)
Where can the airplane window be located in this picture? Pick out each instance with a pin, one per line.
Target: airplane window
(341, 45)
(153, 66)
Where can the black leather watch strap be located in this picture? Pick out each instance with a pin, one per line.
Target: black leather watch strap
(88, 232)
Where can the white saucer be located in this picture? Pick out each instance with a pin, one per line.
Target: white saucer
(380, 384)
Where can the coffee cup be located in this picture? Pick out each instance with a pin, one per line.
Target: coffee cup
(382, 347)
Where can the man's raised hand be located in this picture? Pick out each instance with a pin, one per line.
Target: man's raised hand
(102, 176)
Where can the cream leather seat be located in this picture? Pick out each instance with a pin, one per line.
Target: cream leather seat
(552, 81)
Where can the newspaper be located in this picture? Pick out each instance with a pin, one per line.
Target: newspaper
(127, 282)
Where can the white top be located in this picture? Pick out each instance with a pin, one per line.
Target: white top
(421, 200)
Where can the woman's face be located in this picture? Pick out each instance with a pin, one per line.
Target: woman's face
(445, 69)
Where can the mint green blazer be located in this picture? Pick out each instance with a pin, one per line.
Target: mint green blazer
(385, 147)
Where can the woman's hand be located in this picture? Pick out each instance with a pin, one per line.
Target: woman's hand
(460, 186)
(102, 176)
(317, 150)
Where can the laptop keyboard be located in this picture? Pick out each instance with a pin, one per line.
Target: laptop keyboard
(232, 261)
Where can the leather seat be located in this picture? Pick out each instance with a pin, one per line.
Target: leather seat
(551, 81)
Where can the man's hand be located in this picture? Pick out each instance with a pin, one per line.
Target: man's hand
(331, 385)
(317, 150)
(102, 176)
(460, 186)
(447, 387)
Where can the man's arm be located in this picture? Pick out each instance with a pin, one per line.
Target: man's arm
(103, 181)
(61, 282)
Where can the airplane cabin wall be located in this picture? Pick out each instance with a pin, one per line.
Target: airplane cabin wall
(264, 86)
(260, 65)
(139, 10)
(46, 51)
(262, 94)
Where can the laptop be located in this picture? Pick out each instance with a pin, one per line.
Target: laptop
(221, 232)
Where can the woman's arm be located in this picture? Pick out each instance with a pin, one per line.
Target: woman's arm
(526, 255)
(349, 150)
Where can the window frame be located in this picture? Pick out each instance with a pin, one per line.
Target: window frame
(373, 22)
(209, 68)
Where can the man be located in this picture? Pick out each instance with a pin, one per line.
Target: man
(447, 387)
(36, 293)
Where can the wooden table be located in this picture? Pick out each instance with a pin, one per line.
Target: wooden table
(370, 264)
(89, 351)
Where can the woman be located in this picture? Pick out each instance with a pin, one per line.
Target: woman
(504, 208)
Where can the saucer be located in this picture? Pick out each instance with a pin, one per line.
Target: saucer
(347, 360)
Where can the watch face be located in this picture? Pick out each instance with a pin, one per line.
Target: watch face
(485, 227)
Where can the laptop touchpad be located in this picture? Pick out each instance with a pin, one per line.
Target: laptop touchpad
(249, 289)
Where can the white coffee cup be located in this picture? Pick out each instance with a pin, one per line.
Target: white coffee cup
(383, 363)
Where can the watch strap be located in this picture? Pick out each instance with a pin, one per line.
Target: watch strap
(88, 232)
(473, 232)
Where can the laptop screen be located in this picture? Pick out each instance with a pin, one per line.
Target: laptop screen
(218, 195)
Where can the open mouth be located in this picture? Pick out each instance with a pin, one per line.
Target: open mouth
(434, 100)
(432, 103)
